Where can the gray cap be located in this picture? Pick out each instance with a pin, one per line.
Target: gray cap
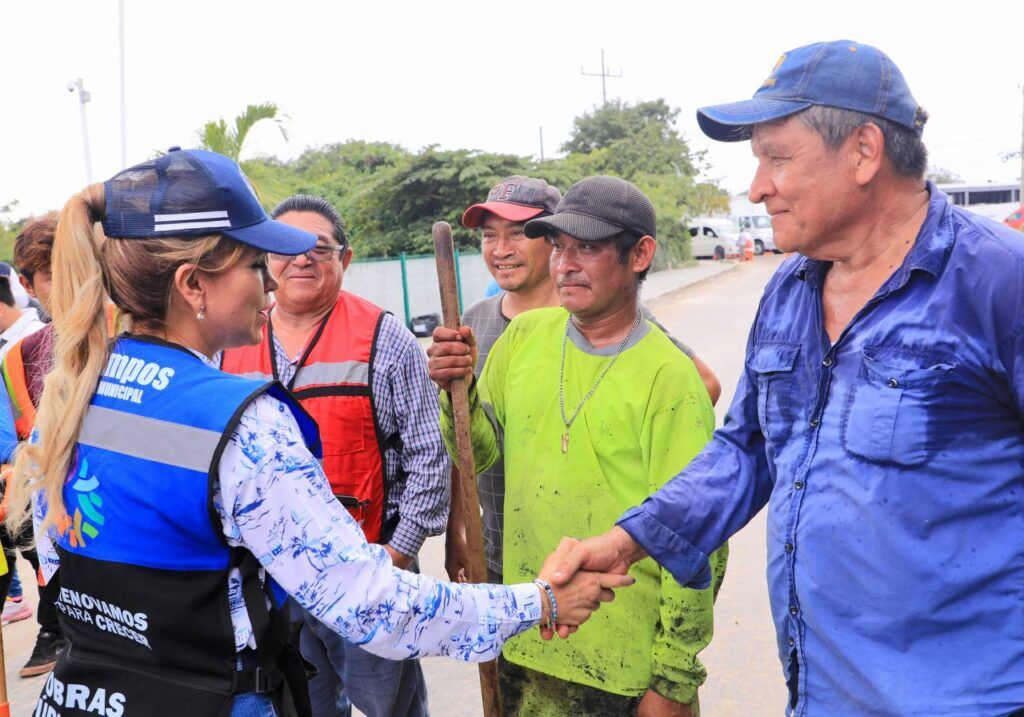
(597, 208)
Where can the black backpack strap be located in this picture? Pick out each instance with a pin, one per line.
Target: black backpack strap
(279, 667)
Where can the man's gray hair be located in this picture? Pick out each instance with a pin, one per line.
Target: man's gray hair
(903, 146)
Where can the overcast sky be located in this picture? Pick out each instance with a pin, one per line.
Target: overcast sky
(465, 74)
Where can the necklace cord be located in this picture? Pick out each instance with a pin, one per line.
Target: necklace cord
(568, 421)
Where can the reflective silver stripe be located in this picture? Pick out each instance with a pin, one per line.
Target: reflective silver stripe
(256, 376)
(189, 216)
(149, 438)
(353, 372)
(191, 225)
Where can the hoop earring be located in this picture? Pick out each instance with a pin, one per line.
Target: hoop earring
(201, 314)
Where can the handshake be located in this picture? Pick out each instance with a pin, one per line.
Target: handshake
(582, 574)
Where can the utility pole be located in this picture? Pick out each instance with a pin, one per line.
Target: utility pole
(1007, 156)
(541, 144)
(83, 97)
(124, 101)
(603, 74)
(1022, 147)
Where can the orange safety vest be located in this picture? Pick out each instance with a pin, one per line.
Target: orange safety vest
(15, 375)
(333, 383)
(17, 389)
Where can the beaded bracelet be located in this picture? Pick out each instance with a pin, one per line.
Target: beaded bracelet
(546, 587)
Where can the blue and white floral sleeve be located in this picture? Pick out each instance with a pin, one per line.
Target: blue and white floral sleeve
(274, 500)
(49, 561)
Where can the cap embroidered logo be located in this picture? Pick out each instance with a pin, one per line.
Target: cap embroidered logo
(503, 192)
(775, 70)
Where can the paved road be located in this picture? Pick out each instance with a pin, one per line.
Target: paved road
(19, 639)
(744, 675)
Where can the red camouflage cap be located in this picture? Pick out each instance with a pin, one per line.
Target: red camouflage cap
(515, 199)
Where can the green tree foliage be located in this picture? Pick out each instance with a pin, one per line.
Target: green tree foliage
(641, 143)
(217, 136)
(398, 208)
(268, 176)
(390, 197)
(619, 120)
(9, 229)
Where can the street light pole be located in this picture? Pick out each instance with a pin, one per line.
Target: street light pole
(83, 97)
(124, 102)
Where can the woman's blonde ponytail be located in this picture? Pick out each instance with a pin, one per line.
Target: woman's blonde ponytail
(80, 354)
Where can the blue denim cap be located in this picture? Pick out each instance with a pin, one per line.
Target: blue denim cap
(194, 193)
(842, 74)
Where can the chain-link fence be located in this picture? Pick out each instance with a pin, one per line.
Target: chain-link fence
(407, 286)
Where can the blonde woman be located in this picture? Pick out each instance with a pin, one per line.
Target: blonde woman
(181, 503)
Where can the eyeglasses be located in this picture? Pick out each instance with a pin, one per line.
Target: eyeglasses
(319, 253)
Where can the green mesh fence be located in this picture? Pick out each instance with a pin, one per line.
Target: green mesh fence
(381, 281)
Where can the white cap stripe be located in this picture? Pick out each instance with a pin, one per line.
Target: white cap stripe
(190, 225)
(189, 216)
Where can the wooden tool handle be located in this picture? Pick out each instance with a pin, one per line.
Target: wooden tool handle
(444, 250)
(5, 708)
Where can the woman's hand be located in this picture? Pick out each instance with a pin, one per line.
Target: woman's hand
(581, 595)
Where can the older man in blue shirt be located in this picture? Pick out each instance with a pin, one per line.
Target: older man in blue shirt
(879, 415)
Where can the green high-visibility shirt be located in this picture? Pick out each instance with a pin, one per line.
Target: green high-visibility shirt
(648, 417)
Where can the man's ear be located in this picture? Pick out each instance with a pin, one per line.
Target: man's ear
(346, 258)
(643, 253)
(27, 285)
(867, 152)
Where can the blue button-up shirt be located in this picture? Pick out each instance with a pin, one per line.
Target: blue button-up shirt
(892, 463)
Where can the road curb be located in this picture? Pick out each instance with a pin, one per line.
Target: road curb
(673, 293)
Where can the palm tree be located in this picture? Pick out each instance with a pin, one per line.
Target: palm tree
(218, 137)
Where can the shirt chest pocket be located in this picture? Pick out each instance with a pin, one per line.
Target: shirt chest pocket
(892, 405)
(773, 363)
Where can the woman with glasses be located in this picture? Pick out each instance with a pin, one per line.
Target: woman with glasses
(181, 503)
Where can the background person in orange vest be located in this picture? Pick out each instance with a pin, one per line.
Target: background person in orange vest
(15, 324)
(25, 366)
(363, 377)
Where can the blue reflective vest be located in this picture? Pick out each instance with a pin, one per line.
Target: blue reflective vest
(144, 564)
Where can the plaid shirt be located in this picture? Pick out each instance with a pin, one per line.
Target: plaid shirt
(416, 466)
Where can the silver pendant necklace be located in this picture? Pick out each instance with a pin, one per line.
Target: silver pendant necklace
(568, 421)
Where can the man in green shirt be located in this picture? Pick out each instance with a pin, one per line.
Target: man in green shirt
(582, 396)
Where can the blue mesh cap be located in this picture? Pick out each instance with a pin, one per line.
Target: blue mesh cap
(842, 74)
(192, 193)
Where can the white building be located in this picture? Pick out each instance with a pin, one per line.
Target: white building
(995, 201)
